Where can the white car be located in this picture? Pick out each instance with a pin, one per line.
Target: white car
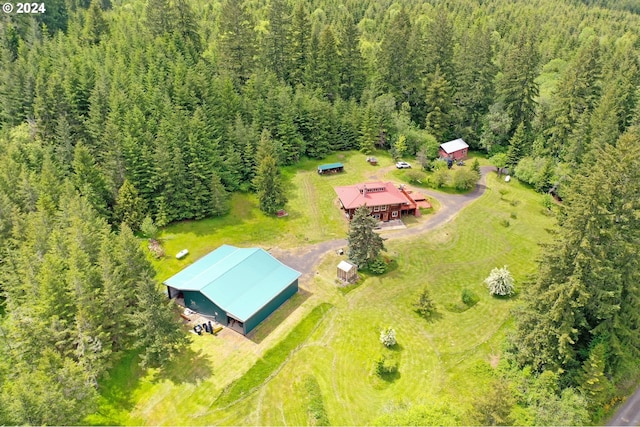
(403, 165)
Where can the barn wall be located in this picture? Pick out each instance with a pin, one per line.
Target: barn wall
(270, 307)
(197, 302)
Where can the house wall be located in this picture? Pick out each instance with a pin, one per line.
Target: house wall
(388, 212)
(460, 154)
(270, 307)
(456, 155)
(197, 302)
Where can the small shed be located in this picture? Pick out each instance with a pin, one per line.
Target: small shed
(456, 149)
(347, 272)
(330, 168)
(372, 161)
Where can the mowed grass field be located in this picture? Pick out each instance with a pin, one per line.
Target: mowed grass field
(444, 362)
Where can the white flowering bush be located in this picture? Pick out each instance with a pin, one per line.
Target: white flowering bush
(500, 282)
(388, 337)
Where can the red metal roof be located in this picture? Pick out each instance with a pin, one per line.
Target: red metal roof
(376, 194)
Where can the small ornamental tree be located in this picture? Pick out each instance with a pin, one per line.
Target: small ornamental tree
(388, 337)
(425, 306)
(500, 162)
(500, 282)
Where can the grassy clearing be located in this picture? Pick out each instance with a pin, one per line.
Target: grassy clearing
(313, 217)
(442, 361)
(272, 359)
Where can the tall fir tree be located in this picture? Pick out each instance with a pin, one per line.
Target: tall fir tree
(364, 244)
(438, 104)
(237, 41)
(267, 182)
(517, 147)
(130, 207)
(518, 88)
(299, 44)
(587, 284)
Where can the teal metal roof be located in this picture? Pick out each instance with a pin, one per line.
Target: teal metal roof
(239, 280)
(330, 166)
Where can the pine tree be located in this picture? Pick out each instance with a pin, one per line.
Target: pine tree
(299, 44)
(157, 331)
(593, 383)
(586, 287)
(130, 207)
(236, 41)
(517, 147)
(396, 63)
(518, 88)
(364, 244)
(475, 73)
(95, 26)
(159, 17)
(276, 40)
(219, 198)
(89, 181)
(267, 182)
(328, 65)
(369, 131)
(438, 100)
(352, 77)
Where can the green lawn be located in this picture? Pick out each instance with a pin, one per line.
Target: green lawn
(443, 363)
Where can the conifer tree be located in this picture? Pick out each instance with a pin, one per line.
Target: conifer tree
(396, 63)
(517, 147)
(328, 65)
(586, 287)
(518, 88)
(268, 183)
(593, 383)
(352, 77)
(299, 44)
(158, 334)
(276, 41)
(364, 244)
(369, 131)
(130, 207)
(236, 41)
(219, 198)
(438, 104)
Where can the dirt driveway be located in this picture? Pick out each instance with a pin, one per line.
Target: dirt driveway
(306, 258)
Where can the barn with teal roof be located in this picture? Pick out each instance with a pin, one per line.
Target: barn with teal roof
(238, 287)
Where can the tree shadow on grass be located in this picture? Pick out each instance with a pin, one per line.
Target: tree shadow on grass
(116, 388)
(188, 366)
(431, 318)
(268, 325)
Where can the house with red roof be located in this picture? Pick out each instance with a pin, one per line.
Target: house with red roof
(385, 201)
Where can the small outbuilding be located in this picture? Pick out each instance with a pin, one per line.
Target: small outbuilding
(456, 149)
(237, 287)
(347, 272)
(330, 168)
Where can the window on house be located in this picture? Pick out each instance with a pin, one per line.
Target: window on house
(383, 208)
(377, 216)
(394, 214)
(376, 208)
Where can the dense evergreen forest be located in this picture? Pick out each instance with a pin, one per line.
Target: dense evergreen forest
(112, 111)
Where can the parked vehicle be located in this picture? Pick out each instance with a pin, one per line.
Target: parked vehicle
(403, 165)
